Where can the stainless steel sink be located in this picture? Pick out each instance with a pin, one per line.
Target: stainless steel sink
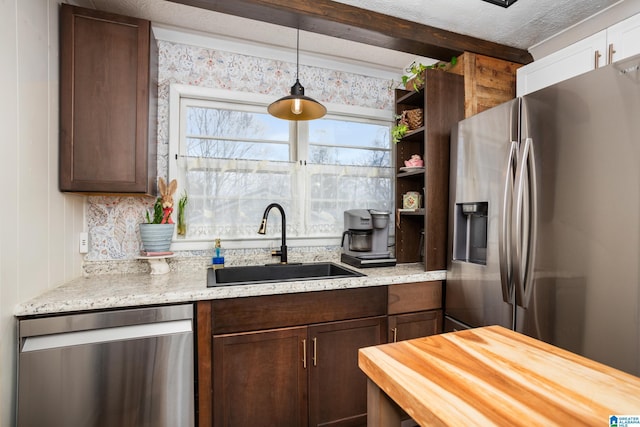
(270, 273)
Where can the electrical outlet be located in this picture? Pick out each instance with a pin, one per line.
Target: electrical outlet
(84, 242)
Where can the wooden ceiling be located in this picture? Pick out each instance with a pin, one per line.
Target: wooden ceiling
(361, 25)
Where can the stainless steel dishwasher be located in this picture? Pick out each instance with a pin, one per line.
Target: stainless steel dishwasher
(124, 368)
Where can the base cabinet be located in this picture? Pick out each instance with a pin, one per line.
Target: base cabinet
(302, 376)
(287, 360)
(292, 359)
(415, 310)
(414, 325)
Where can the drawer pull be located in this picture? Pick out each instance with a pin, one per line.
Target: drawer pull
(611, 52)
(304, 353)
(315, 351)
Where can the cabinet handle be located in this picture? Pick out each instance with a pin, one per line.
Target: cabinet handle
(597, 57)
(304, 353)
(395, 334)
(315, 351)
(611, 52)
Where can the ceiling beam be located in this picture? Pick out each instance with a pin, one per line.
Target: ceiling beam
(360, 25)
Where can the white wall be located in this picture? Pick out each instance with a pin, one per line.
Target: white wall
(39, 226)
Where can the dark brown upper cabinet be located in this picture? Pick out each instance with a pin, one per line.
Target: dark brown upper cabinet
(108, 103)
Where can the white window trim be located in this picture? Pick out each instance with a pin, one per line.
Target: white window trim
(178, 91)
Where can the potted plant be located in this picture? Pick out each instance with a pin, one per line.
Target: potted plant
(398, 131)
(182, 224)
(414, 79)
(157, 232)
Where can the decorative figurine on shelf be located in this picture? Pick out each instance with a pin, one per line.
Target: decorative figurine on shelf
(414, 161)
(166, 195)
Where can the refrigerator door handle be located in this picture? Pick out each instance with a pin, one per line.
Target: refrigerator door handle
(532, 227)
(504, 237)
(525, 225)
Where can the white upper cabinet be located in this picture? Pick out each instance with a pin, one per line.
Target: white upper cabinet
(575, 59)
(613, 44)
(624, 39)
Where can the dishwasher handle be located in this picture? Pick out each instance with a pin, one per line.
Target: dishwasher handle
(103, 319)
(97, 336)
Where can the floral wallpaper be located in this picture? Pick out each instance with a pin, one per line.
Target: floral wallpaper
(113, 221)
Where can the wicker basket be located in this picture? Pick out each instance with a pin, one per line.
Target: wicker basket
(413, 118)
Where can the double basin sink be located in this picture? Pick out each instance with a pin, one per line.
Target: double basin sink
(270, 273)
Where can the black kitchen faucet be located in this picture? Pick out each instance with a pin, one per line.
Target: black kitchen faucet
(282, 253)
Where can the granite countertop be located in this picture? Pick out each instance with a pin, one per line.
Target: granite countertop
(131, 290)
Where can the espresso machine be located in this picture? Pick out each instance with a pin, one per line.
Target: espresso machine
(365, 241)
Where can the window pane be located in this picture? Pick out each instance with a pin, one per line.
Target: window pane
(348, 156)
(340, 133)
(229, 134)
(229, 197)
(338, 142)
(222, 149)
(221, 123)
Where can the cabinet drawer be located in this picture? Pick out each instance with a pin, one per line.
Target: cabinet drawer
(278, 311)
(409, 297)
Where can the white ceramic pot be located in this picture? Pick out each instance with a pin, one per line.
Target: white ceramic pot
(156, 237)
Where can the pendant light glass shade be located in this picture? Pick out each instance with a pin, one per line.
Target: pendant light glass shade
(297, 106)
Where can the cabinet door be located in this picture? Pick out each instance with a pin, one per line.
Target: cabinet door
(414, 325)
(260, 379)
(580, 57)
(337, 387)
(624, 39)
(107, 88)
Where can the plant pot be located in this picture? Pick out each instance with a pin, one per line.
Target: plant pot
(416, 82)
(156, 237)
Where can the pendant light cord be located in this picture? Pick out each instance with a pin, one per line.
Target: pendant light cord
(297, 53)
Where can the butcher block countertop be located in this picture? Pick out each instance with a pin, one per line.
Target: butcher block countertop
(493, 376)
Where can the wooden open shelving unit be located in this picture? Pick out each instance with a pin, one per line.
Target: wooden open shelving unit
(442, 100)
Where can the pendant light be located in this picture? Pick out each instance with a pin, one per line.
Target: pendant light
(297, 106)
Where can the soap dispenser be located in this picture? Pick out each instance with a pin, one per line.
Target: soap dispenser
(218, 259)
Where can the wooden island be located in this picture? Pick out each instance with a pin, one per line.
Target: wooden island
(492, 376)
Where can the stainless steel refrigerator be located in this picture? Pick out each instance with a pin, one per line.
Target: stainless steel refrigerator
(544, 224)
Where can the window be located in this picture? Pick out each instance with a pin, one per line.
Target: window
(234, 159)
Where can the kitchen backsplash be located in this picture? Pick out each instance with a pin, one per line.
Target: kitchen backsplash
(113, 221)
